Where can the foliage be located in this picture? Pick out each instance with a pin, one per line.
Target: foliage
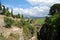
(16, 16)
(12, 12)
(53, 26)
(17, 23)
(0, 6)
(32, 21)
(51, 29)
(7, 13)
(13, 36)
(2, 9)
(23, 23)
(40, 20)
(31, 28)
(1, 37)
(28, 29)
(22, 16)
(54, 22)
(55, 9)
(8, 22)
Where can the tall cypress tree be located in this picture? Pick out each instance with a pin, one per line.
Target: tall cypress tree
(0, 6)
(12, 12)
(4, 10)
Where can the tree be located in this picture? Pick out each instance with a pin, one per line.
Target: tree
(22, 16)
(4, 10)
(11, 13)
(55, 9)
(7, 13)
(0, 6)
(51, 28)
(18, 15)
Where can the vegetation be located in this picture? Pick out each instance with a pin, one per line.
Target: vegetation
(28, 29)
(40, 20)
(12, 20)
(55, 9)
(1, 37)
(16, 16)
(8, 22)
(13, 37)
(51, 28)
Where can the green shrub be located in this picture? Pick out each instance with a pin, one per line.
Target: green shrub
(8, 22)
(1, 37)
(31, 29)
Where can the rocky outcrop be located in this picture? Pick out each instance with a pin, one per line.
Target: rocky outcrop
(12, 33)
(2, 20)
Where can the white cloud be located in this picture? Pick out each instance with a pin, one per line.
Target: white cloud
(34, 11)
(34, 2)
(42, 8)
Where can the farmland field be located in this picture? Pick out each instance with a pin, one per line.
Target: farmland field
(40, 20)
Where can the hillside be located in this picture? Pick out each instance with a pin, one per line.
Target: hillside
(16, 27)
(8, 33)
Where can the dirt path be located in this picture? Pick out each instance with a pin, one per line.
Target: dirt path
(33, 38)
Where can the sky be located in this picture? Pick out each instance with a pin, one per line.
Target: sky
(35, 8)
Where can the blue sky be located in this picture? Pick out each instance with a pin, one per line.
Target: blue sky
(16, 3)
(36, 8)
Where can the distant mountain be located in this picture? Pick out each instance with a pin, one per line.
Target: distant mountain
(28, 16)
(32, 17)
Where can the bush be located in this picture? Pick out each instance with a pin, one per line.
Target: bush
(31, 29)
(1, 37)
(51, 29)
(16, 16)
(8, 22)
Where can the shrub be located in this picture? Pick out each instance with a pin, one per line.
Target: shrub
(8, 22)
